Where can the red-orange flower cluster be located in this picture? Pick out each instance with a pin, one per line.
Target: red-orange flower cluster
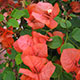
(6, 39)
(34, 53)
(75, 5)
(42, 14)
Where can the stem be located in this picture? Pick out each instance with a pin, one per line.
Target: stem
(2, 50)
(11, 6)
(66, 37)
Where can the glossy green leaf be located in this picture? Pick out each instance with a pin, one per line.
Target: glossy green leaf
(1, 17)
(24, 32)
(9, 75)
(18, 59)
(58, 19)
(65, 46)
(51, 1)
(76, 34)
(73, 15)
(55, 43)
(13, 22)
(57, 71)
(64, 76)
(17, 14)
(26, 13)
(1, 76)
(65, 23)
(13, 54)
(75, 22)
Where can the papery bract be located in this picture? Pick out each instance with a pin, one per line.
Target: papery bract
(22, 43)
(69, 60)
(31, 8)
(49, 12)
(24, 77)
(78, 75)
(35, 24)
(38, 49)
(34, 62)
(43, 13)
(75, 5)
(55, 10)
(6, 37)
(39, 38)
(44, 74)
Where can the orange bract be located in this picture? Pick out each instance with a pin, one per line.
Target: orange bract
(78, 75)
(22, 43)
(6, 37)
(43, 13)
(37, 41)
(75, 5)
(24, 77)
(69, 60)
(35, 24)
(36, 50)
(39, 38)
(44, 72)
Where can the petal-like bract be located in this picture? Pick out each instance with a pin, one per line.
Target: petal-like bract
(69, 60)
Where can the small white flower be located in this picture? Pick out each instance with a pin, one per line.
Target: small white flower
(50, 10)
(5, 27)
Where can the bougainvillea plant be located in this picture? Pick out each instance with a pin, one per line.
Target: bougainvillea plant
(39, 40)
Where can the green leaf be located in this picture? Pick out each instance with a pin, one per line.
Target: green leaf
(1, 17)
(64, 76)
(65, 46)
(51, 1)
(76, 34)
(55, 43)
(1, 76)
(73, 15)
(68, 23)
(75, 22)
(18, 59)
(2, 65)
(26, 3)
(65, 13)
(58, 19)
(13, 54)
(65, 23)
(24, 32)
(26, 13)
(13, 22)
(17, 14)
(9, 75)
(6, 69)
(57, 71)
